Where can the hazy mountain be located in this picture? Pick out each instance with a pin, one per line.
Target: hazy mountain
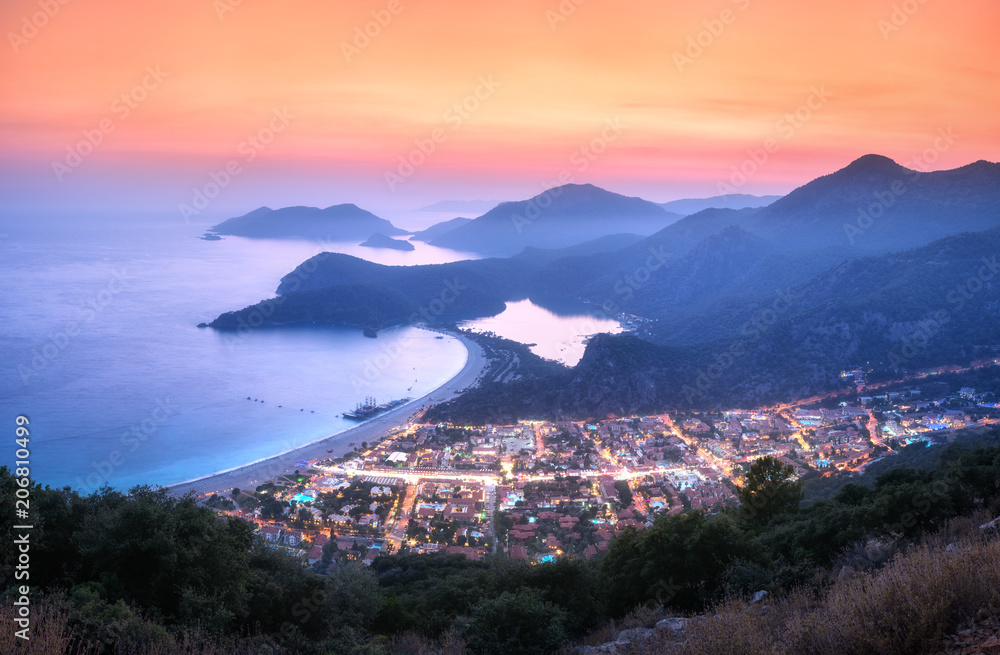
(379, 240)
(461, 206)
(776, 301)
(337, 223)
(438, 229)
(875, 204)
(556, 218)
(795, 238)
(688, 206)
(939, 304)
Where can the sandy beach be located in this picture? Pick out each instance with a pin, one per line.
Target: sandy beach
(253, 474)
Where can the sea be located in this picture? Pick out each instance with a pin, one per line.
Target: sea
(102, 351)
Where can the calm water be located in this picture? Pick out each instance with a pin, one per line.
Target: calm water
(559, 337)
(102, 353)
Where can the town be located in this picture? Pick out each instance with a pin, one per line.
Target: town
(540, 490)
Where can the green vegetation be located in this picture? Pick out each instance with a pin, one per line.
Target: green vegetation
(769, 489)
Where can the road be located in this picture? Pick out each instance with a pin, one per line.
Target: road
(397, 532)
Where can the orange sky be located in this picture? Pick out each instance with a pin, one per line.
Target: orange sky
(562, 71)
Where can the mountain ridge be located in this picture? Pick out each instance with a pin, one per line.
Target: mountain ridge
(344, 222)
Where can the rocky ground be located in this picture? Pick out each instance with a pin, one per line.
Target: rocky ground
(983, 637)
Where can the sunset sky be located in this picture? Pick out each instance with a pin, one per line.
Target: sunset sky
(689, 88)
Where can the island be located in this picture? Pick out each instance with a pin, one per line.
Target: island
(379, 240)
(345, 222)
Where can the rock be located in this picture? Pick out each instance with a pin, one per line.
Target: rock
(674, 625)
(992, 525)
(610, 647)
(759, 596)
(951, 548)
(635, 634)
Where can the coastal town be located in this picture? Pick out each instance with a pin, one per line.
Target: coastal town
(539, 490)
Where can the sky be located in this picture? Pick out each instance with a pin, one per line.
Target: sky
(205, 109)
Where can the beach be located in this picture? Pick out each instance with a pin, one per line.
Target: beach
(250, 475)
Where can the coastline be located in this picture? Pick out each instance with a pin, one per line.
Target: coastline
(252, 474)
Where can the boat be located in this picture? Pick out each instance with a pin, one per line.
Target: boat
(370, 407)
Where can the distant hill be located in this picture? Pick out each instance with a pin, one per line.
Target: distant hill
(337, 223)
(379, 240)
(461, 206)
(438, 229)
(559, 217)
(795, 238)
(688, 206)
(871, 206)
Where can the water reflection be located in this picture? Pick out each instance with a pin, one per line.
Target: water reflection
(561, 336)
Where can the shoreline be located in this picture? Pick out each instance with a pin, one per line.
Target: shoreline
(252, 474)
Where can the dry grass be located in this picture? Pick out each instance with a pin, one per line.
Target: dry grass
(51, 633)
(905, 607)
(413, 643)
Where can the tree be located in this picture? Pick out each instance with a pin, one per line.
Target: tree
(516, 623)
(679, 561)
(769, 490)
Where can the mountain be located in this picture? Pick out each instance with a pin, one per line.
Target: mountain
(379, 240)
(436, 230)
(355, 305)
(337, 223)
(558, 217)
(461, 206)
(776, 300)
(334, 288)
(688, 206)
(796, 237)
(876, 205)
(894, 313)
